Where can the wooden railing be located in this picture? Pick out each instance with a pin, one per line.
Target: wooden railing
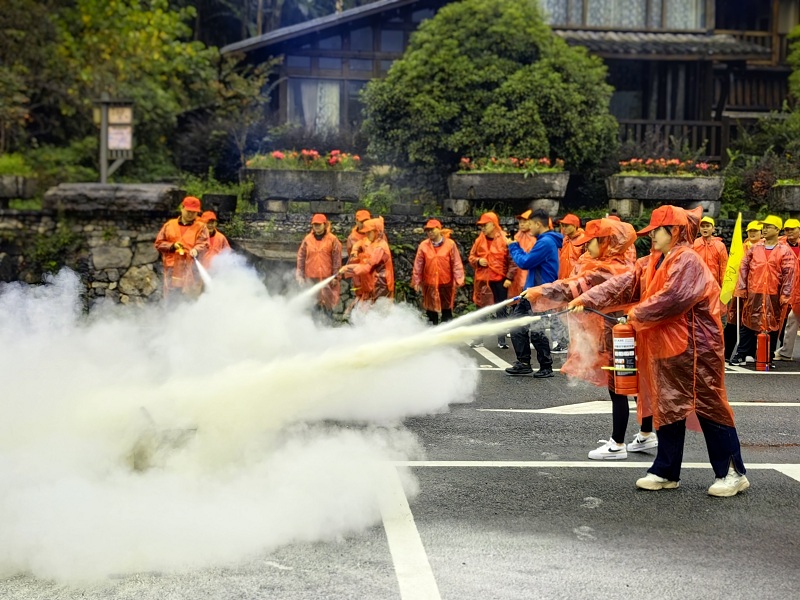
(755, 91)
(657, 138)
(775, 43)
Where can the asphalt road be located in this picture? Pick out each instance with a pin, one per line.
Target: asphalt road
(510, 507)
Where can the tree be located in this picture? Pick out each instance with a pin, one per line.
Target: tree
(489, 78)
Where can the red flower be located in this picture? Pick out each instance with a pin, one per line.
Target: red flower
(278, 154)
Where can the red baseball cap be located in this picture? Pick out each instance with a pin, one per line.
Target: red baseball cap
(665, 216)
(191, 203)
(319, 218)
(570, 219)
(433, 224)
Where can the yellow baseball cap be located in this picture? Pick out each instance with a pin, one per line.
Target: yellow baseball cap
(791, 224)
(754, 225)
(708, 220)
(772, 220)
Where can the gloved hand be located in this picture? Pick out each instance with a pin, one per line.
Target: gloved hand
(575, 306)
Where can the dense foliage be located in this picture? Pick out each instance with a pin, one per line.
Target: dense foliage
(489, 78)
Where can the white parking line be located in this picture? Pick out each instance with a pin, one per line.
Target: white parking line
(414, 574)
(790, 470)
(492, 357)
(601, 407)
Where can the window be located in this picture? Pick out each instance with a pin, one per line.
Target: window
(686, 14)
(315, 104)
(359, 64)
(392, 41)
(361, 40)
(617, 13)
(627, 14)
(354, 105)
(333, 42)
(556, 11)
(298, 62)
(330, 64)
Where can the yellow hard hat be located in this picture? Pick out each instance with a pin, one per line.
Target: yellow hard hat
(708, 220)
(791, 224)
(772, 220)
(754, 225)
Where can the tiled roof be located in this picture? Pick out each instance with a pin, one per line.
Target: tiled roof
(617, 43)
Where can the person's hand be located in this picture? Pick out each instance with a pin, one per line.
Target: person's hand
(575, 306)
(507, 283)
(460, 283)
(177, 247)
(342, 270)
(507, 240)
(483, 262)
(533, 294)
(193, 253)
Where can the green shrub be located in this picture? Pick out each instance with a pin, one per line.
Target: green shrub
(489, 78)
(15, 164)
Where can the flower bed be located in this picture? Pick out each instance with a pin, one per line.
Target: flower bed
(305, 160)
(669, 167)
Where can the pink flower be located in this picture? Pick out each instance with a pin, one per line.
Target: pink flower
(356, 157)
(278, 154)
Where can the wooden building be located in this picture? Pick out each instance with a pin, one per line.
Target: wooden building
(690, 71)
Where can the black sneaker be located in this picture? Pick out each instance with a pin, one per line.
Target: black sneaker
(543, 372)
(502, 345)
(737, 361)
(559, 348)
(519, 368)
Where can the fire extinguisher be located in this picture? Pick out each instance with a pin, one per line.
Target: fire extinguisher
(626, 376)
(762, 352)
(623, 337)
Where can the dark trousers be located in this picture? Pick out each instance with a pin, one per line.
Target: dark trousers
(523, 337)
(619, 417)
(433, 316)
(500, 293)
(747, 347)
(722, 443)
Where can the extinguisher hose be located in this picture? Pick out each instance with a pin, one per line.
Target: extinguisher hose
(614, 320)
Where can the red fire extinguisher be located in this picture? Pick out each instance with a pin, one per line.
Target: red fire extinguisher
(762, 352)
(626, 376)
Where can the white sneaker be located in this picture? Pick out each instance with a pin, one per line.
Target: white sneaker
(609, 451)
(749, 359)
(641, 443)
(730, 485)
(654, 482)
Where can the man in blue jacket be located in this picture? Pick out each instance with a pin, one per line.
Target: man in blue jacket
(542, 266)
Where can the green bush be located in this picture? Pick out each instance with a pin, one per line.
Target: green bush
(489, 78)
(15, 164)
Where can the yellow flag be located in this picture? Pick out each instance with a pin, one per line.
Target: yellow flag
(735, 257)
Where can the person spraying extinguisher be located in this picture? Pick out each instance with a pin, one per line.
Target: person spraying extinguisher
(590, 355)
(676, 316)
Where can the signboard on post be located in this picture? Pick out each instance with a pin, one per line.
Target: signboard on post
(116, 134)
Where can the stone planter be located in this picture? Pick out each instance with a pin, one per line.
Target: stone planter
(271, 185)
(628, 194)
(542, 190)
(785, 198)
(14, 186)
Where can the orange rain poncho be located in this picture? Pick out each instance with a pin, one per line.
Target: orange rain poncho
(569, 254)
(179, 272)
(356, 235)
(318, 260)
(439, 270)
(372, 263)
(714, 254)
(217, 244)
(766, 282)
(499, 267)
(680, 354)
(591, 345)
(526, 242)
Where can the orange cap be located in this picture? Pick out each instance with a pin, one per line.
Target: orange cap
(433, 224)
(570, 219)
(319, 218)
(665, 216)
(613, 218)
(362, 215)
(208, 216)
(526, 215)
(488, 217)
(191, 203)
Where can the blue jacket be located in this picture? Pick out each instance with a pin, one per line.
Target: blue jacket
(541, 262)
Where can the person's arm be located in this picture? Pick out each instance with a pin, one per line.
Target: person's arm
(686, 284)
(788, 270)
(723, 262)
(541, 252)
(744, 273)
(336, 255)
(617, 291)
(300, 272)
(162, 244)
(418, 269)
(473, 257)
(201, 242)
(456, 265)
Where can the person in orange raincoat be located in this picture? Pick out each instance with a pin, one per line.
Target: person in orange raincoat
(526, 241)
(180, 242)
(711, 249)
(606, 242)
(320, 257)
(679, 351)
(766, 283)
(789, 335)
(568, 257)
(357, 234)
(494, 269)
(217, 242)
(437, 272)
(371, 262)
(630, 253)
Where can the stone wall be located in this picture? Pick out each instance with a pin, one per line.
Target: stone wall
(106, 233)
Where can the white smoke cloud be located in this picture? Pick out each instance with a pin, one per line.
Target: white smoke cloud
(226, 407)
